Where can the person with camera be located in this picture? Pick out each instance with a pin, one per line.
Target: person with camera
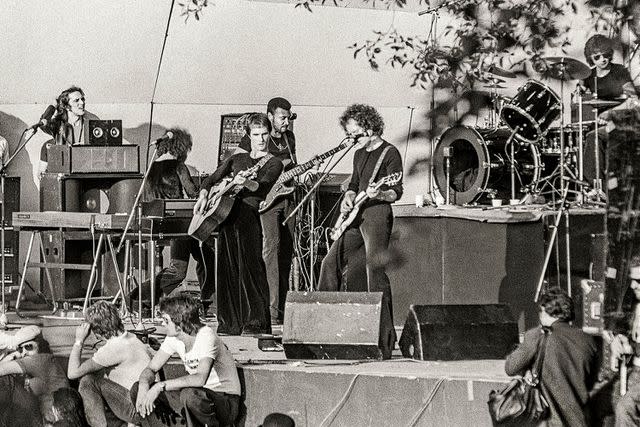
(570, 361)
(106, 378)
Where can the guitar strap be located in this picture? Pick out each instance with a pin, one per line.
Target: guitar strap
(291, 154)
(378, 164)
(263, 161)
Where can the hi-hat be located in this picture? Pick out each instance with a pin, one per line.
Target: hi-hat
(566, 68)
(501, 72)
(597, 103)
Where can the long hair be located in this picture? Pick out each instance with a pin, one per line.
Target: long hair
(184, 311)
(179, 145)
(365, 116)
(104, 319)
(63, 99)
(68, 403)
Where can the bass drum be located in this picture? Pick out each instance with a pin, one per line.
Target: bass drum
(479, 165)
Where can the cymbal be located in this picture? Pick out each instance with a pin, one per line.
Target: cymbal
(597, 103)
(495, 86)
(501, 72)
(566, 68)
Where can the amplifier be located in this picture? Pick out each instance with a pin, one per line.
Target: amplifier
(93, 159)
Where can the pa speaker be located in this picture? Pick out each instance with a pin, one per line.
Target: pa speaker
(459, 332)
(105, 132)
(336, 325)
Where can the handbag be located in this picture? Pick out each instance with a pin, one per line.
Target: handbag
(521, 402)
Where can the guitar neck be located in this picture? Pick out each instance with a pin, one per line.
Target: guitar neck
(307, 165)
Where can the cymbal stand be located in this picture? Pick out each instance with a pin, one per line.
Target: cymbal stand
(580, 146)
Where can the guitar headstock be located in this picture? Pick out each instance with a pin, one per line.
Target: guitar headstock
(392, 179)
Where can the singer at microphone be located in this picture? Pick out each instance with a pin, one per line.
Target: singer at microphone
(167, 136)
(45, 118)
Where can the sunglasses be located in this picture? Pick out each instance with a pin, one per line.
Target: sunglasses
(30, 346)
(597, 56)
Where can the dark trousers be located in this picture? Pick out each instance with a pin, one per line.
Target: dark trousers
(362, 252)
(277, 253)
(18, 406)
(199, 406)
(243, 291)
(98, 392)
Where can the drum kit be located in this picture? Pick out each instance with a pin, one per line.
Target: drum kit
(525, 152)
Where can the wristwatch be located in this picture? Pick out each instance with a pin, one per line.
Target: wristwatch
(163, 385)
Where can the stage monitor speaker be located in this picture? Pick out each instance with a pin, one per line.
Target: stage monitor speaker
(459, 332)
(335, 325)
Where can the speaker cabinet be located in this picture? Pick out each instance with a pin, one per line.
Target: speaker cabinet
(335, 325)
(92, 159)
(95, 193)
(459, 332)
(11, 237)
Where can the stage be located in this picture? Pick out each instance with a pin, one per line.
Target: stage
(396, 392)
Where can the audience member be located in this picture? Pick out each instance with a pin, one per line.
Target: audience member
(570, 364)
(9, 342)
(277, 419)
(210, 392)
(107, 377)
(27, 383)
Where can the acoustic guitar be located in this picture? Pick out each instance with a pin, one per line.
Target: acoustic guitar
(346, 218)
(219, 204)
(280, 189)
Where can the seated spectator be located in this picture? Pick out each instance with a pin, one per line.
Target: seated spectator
(106, 378)
(27, 383)
(67, 409)
(9, 341)
(570, 365)
(210, 392)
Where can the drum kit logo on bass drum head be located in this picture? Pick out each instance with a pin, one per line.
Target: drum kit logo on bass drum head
(521, 153)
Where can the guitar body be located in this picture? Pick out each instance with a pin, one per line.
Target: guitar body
(344, 221)
(202, 226)
(277, 192)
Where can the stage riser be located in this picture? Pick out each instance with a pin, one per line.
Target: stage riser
(383, 401)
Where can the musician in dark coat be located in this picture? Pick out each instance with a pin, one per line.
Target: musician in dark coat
(362, 248)
(169, 178)
(570, 364)
(243, 292)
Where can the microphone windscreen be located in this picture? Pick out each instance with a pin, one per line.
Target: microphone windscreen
(48, 113)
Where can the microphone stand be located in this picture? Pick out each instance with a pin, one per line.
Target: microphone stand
(312, 191)
(3, 227)
(137, 206)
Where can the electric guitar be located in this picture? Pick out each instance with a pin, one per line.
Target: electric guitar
(219, 204)
(280, 189)
(346, 218)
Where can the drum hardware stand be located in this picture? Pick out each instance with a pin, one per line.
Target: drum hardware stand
(512, 161)
(138, 206)
(306, 197)
(564, 209)
(447, 153)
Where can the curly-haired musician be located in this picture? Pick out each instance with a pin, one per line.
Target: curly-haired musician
(70, 124)
(169, 178)
(362, 248)
(243, 292)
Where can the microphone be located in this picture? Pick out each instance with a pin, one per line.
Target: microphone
(167, 136)
(45, 118)
(356, 136)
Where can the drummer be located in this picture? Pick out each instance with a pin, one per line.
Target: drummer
(611, 82)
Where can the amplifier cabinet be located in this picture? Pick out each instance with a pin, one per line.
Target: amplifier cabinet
(11, 238)
(93, 159)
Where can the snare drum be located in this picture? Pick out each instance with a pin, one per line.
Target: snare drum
(532, 111)
(479, 166)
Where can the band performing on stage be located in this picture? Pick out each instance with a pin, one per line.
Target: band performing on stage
(284, 262)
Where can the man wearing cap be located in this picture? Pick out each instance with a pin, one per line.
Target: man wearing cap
(277, 239)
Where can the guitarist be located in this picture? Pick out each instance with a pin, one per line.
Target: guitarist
(243, 292)
(361, 249)
(277, 239)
